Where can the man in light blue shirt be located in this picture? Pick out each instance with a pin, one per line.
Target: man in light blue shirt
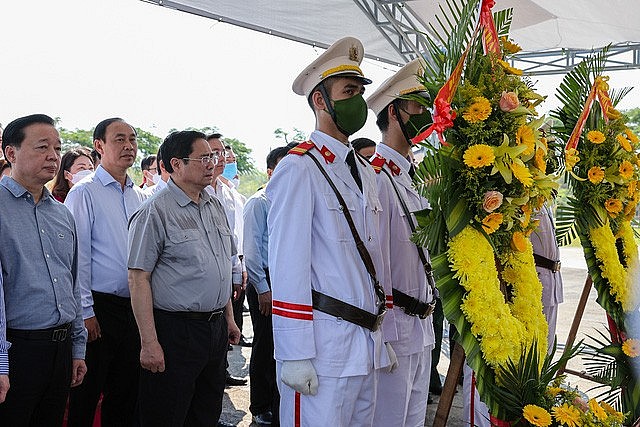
(42, 305)
(102, 205)
(4, 347)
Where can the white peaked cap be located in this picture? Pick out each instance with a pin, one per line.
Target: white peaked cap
(403, 82)
(342, 58)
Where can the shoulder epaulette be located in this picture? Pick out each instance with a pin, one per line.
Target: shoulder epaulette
(302, 148)
(378, 162)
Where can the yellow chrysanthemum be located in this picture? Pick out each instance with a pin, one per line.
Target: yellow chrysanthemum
(596, 174)
(631, 347)
(595, 136)
(631, 136)
(567, 415)
(478, 111)
(537, 416)
(624, 142)
(524, 135)
(554, 391)
(613, 206)
(479, 156)
(597, 410)
(518, 242)
(571, 157)
(626, 169)
(617, 416)
(632, 187)
(492, 222)
(522, 174)
(509, 46)
(509, 69)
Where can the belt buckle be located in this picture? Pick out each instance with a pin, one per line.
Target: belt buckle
(379, 319)
(59, 335)
(211, 315)
(556, 266)
(430, 308)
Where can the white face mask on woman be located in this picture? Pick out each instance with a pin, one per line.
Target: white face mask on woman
(77, 177)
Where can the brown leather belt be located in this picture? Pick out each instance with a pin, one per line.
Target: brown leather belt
(57, 333)
(547, 263)
(348, 312)
(413, 306)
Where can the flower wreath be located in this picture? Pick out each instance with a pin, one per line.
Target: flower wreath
(503, 329)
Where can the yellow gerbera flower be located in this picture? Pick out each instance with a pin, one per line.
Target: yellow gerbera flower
(626, 169)
(567, 415)
(518, 242)
(596, 174)
(597, 410)
(571, 157)
(618, 416)
(537, 416)
(595, 136)
(524, 135)
(492, 222)
(539, 161)
(509, 69)
(631, 136)
(631, 347)
(613, 206)
(479, 156)
(632, 188)
(522, 174)
(478, 111)
(509, 46)
(624, 142)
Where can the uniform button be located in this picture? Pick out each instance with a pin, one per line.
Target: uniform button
(47, 255)
(55, 280)
(340, 208)
(42, 231)
(59, 305)
(370, 238)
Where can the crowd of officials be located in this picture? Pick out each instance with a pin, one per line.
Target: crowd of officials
(122, 300)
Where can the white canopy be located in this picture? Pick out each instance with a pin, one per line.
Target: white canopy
(538, 25)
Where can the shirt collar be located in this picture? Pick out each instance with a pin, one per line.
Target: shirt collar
(336, 147)
(105, 177)
(390, 154)
(182, 198)
(18, 190)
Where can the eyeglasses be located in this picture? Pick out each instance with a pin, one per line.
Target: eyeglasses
(204, 160)
(224, 154)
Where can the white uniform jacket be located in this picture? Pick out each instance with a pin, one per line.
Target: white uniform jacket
(407, 272)
(311, 247)
(544, 243)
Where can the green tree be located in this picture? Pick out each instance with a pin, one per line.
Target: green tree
(148, 143)
(290, 136)
(71, 138)
(634, 119)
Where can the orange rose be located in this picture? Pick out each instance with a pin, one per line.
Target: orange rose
(492, 201)
(509, 101)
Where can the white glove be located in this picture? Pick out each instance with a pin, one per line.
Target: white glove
(392, 357)
(300, 375)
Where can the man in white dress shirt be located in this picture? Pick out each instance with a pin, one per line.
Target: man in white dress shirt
(327, 305)
(402, 394)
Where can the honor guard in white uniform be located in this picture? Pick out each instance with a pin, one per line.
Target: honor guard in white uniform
(402, 394)
(327, 304)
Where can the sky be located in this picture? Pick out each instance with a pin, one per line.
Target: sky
(159, 69)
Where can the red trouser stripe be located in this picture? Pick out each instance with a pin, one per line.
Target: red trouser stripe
(297, 410)
(473, 400)
(291, 306)
(292, 314)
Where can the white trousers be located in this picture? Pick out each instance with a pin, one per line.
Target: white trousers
(551, 314)
(402, 395)
(340, 402)
(476, 414)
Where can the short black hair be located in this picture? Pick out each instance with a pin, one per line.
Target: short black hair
(95, 156)
(101, 128)
(178, 145)
(13, 134)
(145, 164)
(383, 117)
(360, 143)
(214, 136)
(277, 154)
(158, 160)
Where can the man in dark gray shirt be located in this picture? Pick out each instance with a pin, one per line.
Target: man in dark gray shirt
(181, 252)
(39, 269)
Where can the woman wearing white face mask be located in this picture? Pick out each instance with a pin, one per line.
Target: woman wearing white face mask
(75, 165)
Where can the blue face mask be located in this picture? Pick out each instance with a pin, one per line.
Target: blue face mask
(230, 170)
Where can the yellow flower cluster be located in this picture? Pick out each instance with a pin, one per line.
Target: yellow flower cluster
(479, 111)
(595, 136)
(623, 282)
(478, 156)
(525, 136)
(567, 415)
(536, 416)
(503, 330)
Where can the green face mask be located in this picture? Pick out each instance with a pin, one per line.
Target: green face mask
(416, 124)
(350, 114)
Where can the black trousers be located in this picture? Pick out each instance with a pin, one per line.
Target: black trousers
(40, 377)
(262, 367)
(190, 390)
(438, 325)
(113, 366)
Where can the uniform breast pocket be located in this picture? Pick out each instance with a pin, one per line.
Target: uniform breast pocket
(227, 239)
(337, 227)
(186, 247)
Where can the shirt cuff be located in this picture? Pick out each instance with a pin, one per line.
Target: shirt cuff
(4, 363)
(87, 312)
(236, 278)
(77, 351)
(261, 287)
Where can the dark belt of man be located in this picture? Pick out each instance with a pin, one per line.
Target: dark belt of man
(348, 312)
(207, 316)
(412, 306)
(57, 333)
(547, 263)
